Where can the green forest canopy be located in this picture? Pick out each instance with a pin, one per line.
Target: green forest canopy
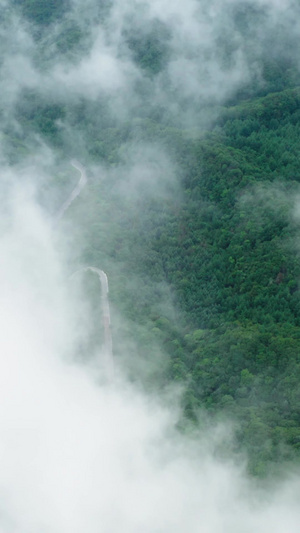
(223, 252)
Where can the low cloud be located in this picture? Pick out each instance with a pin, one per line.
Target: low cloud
(198, 53)
(76, 455)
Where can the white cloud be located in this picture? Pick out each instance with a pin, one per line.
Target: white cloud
(76, 456)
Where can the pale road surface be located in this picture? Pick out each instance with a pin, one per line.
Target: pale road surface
(109, 363)
(80, 185)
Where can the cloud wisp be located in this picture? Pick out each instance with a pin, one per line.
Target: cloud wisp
(173, 56)
(75, 455)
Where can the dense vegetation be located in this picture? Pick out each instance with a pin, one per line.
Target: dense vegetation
(206, 267)
(223, 251)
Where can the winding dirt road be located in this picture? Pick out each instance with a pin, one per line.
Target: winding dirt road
(76, 191)
(109, 363)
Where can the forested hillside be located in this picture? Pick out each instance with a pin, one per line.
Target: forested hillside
(192, 209)
(224, 252)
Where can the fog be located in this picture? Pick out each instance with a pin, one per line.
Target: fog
(77, 452)
(203, 52)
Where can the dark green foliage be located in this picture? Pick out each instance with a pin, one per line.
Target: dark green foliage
(69, 38)
(42, 12)
(38, 115)
(209, 274)
(149, 47)
(224, 254)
